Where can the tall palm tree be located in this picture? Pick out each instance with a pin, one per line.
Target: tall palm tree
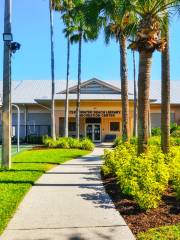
(135, 96)
(148, 39)
(82, 32)
(65, 7)
(66, 118)
(165, 93)
(68, 31)
(116, 29)
(53, 130)
(119, 24)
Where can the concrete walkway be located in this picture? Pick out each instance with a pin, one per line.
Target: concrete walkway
(69, 203)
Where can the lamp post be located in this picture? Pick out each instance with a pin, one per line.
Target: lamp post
(6, 108)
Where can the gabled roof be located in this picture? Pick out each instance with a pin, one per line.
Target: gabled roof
(28, 90)
(94, 86)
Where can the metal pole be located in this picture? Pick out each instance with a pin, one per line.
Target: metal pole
(53, 133)
(6, 109)
(18, 124)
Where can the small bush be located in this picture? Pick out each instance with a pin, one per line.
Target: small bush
(73, 143)
(49, 142)
(118, 141)
(156, 131)
(174, 127)
(62, 143)
(154, 141)
(175, 141)
(176, 134)
(115, 159)
(133, 140)
(86, 144)
(145, 178)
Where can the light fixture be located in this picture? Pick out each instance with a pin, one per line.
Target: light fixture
(7, 37)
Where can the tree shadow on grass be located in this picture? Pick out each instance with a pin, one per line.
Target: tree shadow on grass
(16, 182)
(21, 170)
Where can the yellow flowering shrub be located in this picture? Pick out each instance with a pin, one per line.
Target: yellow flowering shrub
(145, 177)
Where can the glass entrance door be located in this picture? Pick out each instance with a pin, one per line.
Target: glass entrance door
(89, 131)
(93, 132)
(97, 132)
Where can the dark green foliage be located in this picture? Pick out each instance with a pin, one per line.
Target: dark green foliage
(31, 139)
(156, 131)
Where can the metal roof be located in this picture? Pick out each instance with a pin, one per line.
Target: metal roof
(28, 91)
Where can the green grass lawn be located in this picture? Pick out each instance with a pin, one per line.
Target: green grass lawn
(14, 149)
(162, 233)
(27, 167)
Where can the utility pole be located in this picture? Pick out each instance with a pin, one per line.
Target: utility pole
(6, 108)
(53, 130)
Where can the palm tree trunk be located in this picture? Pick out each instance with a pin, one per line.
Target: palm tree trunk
(53, 130)
(124, 89)
(143, 99)
(165, 98)
(67, 91)
(135, 97)
(78, 90)
(149, 120)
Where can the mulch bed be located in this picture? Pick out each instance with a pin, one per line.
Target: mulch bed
(168, 212)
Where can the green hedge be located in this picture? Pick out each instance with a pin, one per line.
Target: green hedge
(143, 177)
(68, 143)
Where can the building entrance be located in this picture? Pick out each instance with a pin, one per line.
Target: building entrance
(93, 131)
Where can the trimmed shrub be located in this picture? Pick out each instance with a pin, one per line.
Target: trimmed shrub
(73, 143)
(86, 144)
(62, 143)
(145, 178)
(116, 159)
(67, 143)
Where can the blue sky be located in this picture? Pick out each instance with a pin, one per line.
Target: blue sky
(30, 26)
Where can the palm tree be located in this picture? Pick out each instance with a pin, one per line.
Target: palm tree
(68, 21)
(148, 39)
(65, 7)
(53, 130)
(165, 93)
(119, 24)
(66, 118)
(115, 29)
(135, 96)
(82, 31)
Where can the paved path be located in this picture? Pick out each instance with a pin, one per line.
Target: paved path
(69, 203)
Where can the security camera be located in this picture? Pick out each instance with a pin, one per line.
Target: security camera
(14, 46)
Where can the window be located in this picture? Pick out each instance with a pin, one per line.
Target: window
(72, 126)
(114, 126)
